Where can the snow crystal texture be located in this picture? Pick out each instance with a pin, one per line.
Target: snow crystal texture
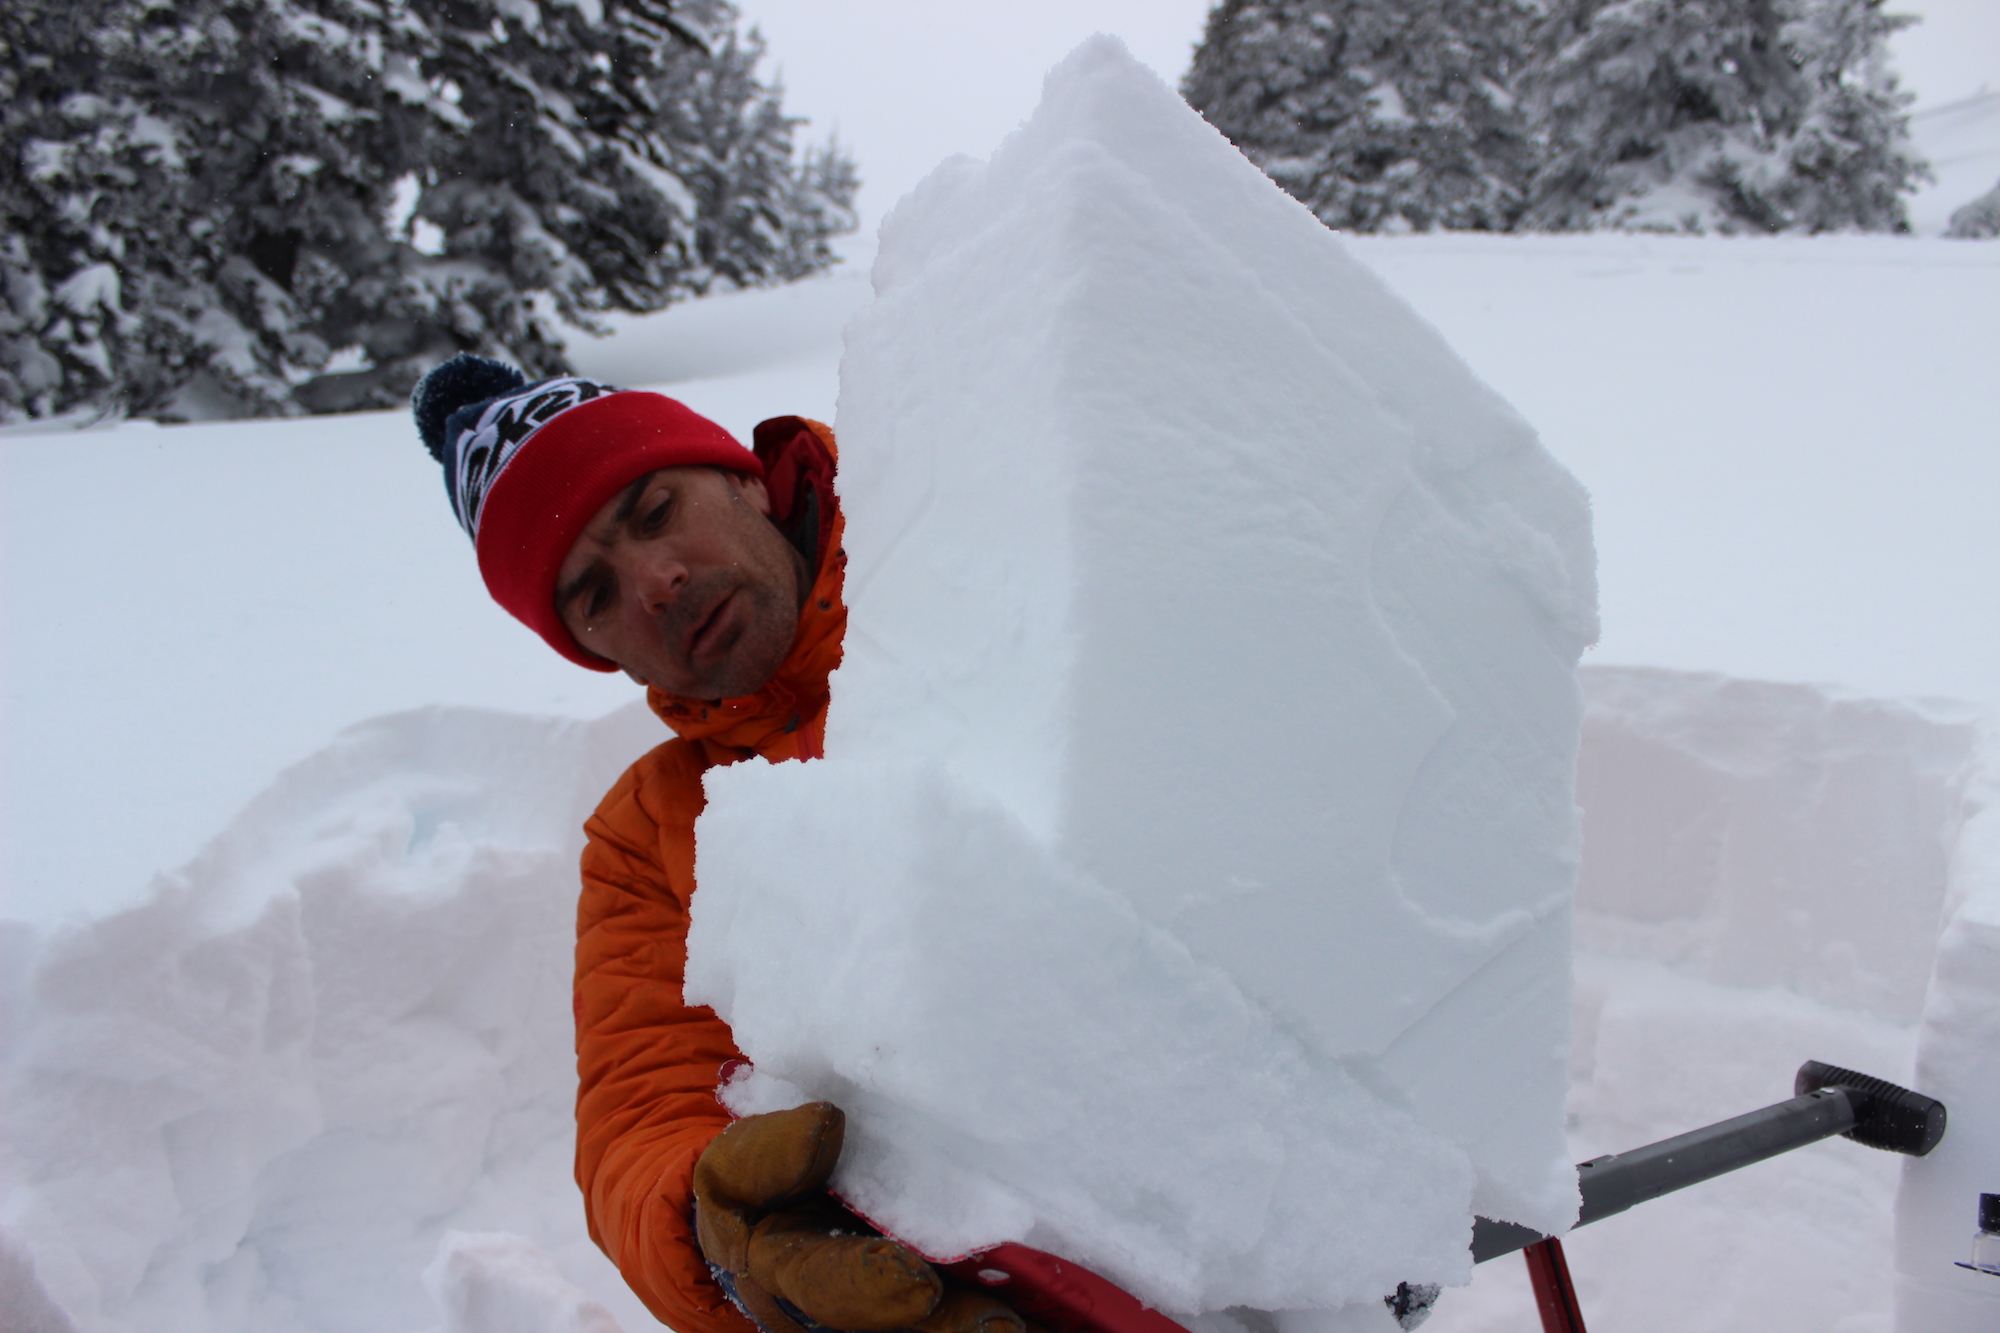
(1958, 1061)
(333, 1048)
(1188, 888)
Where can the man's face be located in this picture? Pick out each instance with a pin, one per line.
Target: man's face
(682, 580)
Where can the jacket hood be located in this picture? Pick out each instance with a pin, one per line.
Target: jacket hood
(787, 718)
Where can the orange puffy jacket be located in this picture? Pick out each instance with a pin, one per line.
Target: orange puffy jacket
(647, 1062)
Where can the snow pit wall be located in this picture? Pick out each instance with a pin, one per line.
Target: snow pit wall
(202, 1135)
(1958, 1060)
(1209, 620)
(1763, 870)
(259, 1099)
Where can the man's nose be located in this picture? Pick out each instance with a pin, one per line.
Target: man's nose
(658, 582)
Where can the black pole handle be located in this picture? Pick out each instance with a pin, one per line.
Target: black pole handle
(1885, 1116)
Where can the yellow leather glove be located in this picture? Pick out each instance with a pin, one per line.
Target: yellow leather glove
(763, 1216)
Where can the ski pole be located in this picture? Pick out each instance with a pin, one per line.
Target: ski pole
(1827, 1100)
(1830, 1101)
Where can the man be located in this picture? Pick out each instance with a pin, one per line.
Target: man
(632, 534)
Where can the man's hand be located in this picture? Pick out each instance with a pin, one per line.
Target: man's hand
(762, 1215)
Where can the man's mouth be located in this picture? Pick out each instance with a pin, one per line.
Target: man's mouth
(709, 630)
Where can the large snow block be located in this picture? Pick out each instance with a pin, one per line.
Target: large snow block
(1187, 889)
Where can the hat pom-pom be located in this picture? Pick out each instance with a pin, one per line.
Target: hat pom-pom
(459, 382)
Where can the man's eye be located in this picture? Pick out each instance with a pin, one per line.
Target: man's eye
(656, 517)
(598, 602)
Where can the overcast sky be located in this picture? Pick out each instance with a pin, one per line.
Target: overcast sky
(906, 83)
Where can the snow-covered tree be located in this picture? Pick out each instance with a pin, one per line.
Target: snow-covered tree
(229, 207)
(555, 177)
(1709, 115)
(1377, 114)
(819, 205)
(46, 364)
(1646, 102)
(202, 191)
(83, 170)
(761, 209)
(1719, 115)
(1849, 159)
(1978, 220)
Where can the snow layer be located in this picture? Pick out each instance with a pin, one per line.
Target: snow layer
(496, 1282)
(266, 1098)
(1958, 1060)
(1750, 833)
(1762, 867)
(259, 1099)
(1788, 444)
(1210, 698)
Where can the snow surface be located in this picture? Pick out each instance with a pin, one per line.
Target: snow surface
(1789, 449)
(1258, 680)
(496, 1282)
(1958, 1060)
(326, 1071)
(1763, 870)
(263, 1098)
(258, 586)
(1788, 445)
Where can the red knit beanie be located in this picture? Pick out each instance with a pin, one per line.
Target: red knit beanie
(528, 465)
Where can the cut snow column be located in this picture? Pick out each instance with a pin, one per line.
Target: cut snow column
(1958, 1062)
(1187, 889)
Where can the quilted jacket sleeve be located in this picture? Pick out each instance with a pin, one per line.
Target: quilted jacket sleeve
(647, 1063)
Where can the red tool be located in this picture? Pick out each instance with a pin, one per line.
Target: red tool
(1555, 1297)
(1057, 1294)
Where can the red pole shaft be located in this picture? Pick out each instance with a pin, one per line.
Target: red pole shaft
(1555, 1296)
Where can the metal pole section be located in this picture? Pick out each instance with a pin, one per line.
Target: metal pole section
(1614, 1183)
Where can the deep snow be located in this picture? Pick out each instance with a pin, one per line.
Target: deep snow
(1958, 1060)
(260, 1099)
(333, 1052)
(1788, 445)
(1763, 870)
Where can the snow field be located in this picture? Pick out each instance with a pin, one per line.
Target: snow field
(1788, 448)
(1787, 445)
(1255, 685)
(494, 1282)
(1783, 439)
(332, 1054)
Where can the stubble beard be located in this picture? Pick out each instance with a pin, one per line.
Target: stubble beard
(770, 616)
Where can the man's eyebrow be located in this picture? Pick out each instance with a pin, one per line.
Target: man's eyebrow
(564, 596)
(628, 499)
